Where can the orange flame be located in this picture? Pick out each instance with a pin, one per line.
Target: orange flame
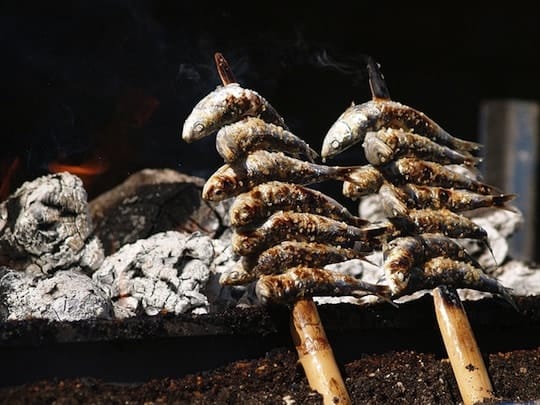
(88, 171)
(8, 170)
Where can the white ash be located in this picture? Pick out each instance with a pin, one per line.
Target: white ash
(46, 222)
(167, 272)
(68, 295)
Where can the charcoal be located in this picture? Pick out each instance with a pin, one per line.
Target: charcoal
(68, 295)
(46, 223)
(153, 201)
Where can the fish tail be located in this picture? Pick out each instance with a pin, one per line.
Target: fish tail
(501, 200)
(472, 147)
(381, 291)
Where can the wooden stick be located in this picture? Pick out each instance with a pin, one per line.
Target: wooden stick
(463, 352)
(314, 350)
(315, 353)
(224, 70)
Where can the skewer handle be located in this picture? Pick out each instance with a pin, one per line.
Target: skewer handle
(315, 353)
(463, 352)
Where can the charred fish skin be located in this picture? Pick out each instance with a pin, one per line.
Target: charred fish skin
(301, 281)
(420, 172)
(240, 138)
(277, 259)
(356, 121)
(287, 254)
(443, 221)
(265, 199)
(226, 105)
(389, 144)
(454, 273)
(400, 256)
(366, 180)
(261, 167)
(456, 200)
(302, 227)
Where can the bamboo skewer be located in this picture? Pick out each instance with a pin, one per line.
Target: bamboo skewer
(463, 351)
(314, 351)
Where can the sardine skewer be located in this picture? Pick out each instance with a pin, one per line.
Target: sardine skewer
(318, 361)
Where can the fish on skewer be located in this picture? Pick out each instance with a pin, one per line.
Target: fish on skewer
(454, 273)
(381, 112)
(302, 281)
(419, 221)
(287, 225)
(265, 199)
(400, 198)
(225, 105)
(261, 167)
(389, 144)
(411, 170)
(402, 254)
(285, 255)
(240, 138)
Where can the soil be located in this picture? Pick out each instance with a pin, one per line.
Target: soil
(391, 378)
(387, 356)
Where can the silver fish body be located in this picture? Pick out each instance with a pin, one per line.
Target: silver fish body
(356, 121)
(388, 144)
(302, 227)
(456, 200)
(240, 138)
(403, 254)
(285, 255)
(302, 281)
(262, 166)
(264, 199)
(226, 105)
(421, 172)
(443, 221)
(453, 273)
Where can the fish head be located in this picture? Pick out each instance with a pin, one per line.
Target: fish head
(348, 130)
(198, 125)
(220, 186)
(212, 112)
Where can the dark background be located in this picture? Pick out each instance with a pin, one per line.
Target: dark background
(114, 80)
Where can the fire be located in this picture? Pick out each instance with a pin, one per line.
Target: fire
(88, 171)
(8, 169)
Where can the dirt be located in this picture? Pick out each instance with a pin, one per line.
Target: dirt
(391, 378)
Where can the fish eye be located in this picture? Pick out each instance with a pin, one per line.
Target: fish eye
(198, 127)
